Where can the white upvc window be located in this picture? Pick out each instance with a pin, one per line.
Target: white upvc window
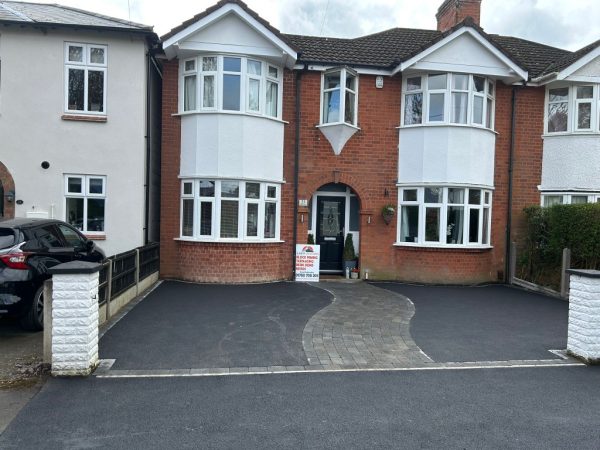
(573, 108)
(85, 78)
(569, 198)
(448, 98)
(231, 84)
(444, 216)
(85, 202)
(230, 210)
(339, 97)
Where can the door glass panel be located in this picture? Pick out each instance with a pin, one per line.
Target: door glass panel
(354, 216)
(330, 219)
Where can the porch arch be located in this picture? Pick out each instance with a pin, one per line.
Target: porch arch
(7, 187)
(312, 183)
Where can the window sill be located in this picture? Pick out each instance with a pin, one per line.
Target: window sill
(228, 241)
(571, 133)
(229, 113)
(95, 237)
(332, 124)
(83, 118)
(444, 247)
(444, 124)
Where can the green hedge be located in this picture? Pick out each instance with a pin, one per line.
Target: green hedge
(551, 229)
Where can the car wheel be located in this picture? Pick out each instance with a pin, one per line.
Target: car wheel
(33, 319)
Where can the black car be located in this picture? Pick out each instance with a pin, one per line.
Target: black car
(28, 248)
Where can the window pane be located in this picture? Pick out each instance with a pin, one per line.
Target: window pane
(332, 81)
(273, 72)
(254, 67)
(433, 195)
(206, 218)
(74, 213)
(436, 107)
(559, 95)
(478, 109)
(187, 222)
(231, 92)
(479, 84)
(459, 107)
(209, 64)
(75, 53)
(271, 192)
(413, 109)
(488, 121)
(413, 84)
(578, 199)
(557, 117)
(490, 89)
(486, 226)
(487, 198)
(229, 219)
(551, 200)
(354, 214)
(455, 226)
(190, 65)
(97, 55)
(456, 196)
(187, 188)
(95, 214)
(272, 98)
(95, 91)
(207, 188)
(584, 116)
(75, 185)
(252, 220)
(232, 64)
(96, 186)
(189, 93)
(253, 95)
(409, 195)
(331, 107)
(230, 189)
(432, 224)
(349, 108)
(270, 219)
(437, 81)
(253, 190)
(474, 197)
(460, 82)
(409, 224)
(208, 99)
(474, 225)
(585, 92)
(76, 87)
(350, 81)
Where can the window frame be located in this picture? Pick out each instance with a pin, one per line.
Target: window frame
(485, 203)
(86, 65)
(573, 108)
(86, 195)
(242, 210)
(343, 71)
(566, 197)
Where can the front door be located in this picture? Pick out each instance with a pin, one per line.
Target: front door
(331, 212)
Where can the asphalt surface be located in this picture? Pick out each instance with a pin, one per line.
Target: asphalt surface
(486, 323)
(182, 325)
(485, 408)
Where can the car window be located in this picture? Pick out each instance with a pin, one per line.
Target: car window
(72, 237)
(48, 237)
(7, 237)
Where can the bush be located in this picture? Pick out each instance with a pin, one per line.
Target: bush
(311, 239)
(349, 253)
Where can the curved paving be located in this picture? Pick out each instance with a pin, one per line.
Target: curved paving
(365, 326)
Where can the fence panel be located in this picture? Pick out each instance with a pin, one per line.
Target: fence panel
(103, 284)
(149, 260)
(123, 272)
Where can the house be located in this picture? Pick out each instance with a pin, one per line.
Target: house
(79, 122)
(269, 137)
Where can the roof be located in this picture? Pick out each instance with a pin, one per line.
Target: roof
(58, 15)
(569, 59)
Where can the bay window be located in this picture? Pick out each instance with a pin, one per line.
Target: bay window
(339, 97)
(85, 78)
(230, 83)
(574, 108)
(229, 210)
(444, 216)
(448, 98)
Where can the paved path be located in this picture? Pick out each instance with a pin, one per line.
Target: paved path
(365, 326)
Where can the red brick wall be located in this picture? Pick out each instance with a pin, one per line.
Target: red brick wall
(452, 12)
(9, 185)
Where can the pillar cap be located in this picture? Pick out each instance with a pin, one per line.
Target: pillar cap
(585, 273)
(75, 267)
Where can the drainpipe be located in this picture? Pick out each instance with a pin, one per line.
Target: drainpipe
(296, 165)
(510, 184)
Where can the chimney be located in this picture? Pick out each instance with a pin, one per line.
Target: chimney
(453, 12)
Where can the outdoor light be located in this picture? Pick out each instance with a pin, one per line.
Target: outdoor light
(10, 196)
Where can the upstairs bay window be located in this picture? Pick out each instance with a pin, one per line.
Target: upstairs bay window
(573, 109)
(448, 98)
(85, 78)
(339, 97)
(230, 83)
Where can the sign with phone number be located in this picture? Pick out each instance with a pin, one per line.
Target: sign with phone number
(307, 262)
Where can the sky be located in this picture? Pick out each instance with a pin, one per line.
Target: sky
(568, 24)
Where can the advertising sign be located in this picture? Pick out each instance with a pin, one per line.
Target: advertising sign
(307, 262)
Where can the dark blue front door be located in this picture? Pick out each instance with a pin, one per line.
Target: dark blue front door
(331, 212)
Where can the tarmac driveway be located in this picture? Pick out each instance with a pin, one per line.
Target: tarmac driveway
(183, 325)
(484, 323)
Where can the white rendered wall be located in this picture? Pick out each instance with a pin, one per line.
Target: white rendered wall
(446, 155)
(31, 129)
(231, 146)
(571, 162)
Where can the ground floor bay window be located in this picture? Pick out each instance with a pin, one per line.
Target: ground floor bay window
(444, 216)
(230, 210)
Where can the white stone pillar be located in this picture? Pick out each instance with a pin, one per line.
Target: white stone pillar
(74, 318)
(584, 315)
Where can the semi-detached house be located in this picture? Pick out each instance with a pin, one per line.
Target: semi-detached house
(269, 137)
